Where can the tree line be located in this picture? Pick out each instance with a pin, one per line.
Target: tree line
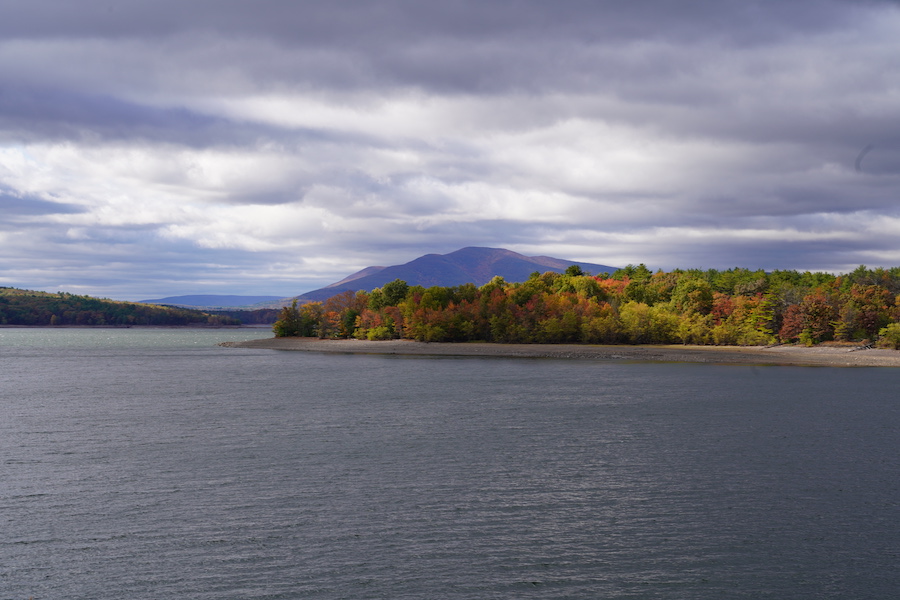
(632, 306)
(26, 307)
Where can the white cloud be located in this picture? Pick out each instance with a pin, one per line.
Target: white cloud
(304, 147)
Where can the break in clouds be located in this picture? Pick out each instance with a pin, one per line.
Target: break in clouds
(152, 149)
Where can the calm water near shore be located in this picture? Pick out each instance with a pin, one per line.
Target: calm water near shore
(150, 463)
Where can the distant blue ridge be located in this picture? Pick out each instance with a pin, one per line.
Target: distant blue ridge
(212, 300)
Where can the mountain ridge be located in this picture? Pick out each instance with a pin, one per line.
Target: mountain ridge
(213, 300)
(473, 264)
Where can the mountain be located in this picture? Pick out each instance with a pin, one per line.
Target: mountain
(468, 265)
(212, 300)
(358, 275)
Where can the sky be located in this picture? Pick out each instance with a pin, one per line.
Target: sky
(151, 149)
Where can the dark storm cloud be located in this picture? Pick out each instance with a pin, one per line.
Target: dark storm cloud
(302, 140)
(64, 114)
(390, 19)
(14, 206)
(470, 46)
(880, 159)
(58, 114)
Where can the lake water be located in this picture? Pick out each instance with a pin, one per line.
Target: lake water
(150, 463)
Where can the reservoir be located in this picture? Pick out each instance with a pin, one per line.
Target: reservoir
(151, 463)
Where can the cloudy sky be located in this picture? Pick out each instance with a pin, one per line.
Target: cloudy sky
(272, 147)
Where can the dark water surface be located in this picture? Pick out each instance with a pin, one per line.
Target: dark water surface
(147, 464)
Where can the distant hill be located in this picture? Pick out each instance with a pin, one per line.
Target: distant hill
(29, 307)
(213, 300)
(468, 265)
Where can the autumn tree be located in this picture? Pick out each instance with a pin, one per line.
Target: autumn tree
(692, 295)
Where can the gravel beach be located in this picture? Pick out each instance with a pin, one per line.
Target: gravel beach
(825, 356)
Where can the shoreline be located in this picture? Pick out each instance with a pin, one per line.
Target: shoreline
(821, 356)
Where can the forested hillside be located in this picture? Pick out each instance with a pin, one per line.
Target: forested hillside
(25, 307)
(633, 306)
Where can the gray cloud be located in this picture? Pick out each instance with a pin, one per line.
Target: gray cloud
(16, 207)
(276, 147)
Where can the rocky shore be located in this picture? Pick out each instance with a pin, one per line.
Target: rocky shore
(825, 356)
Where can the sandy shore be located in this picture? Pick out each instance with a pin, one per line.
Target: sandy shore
(825, 356)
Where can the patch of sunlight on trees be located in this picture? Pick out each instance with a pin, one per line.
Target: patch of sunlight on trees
(631, 306)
